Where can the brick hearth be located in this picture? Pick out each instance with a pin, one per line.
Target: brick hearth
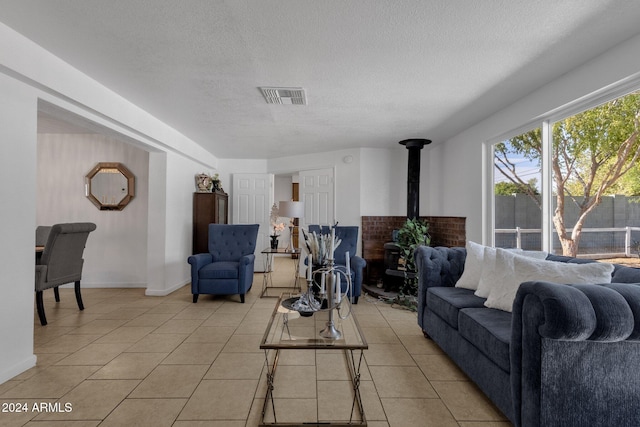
(376, 231)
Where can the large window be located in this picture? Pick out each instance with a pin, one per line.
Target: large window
(594, 175)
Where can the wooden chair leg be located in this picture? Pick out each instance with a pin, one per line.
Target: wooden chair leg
(195, 298)
(242, 298)
(56, 293)
(40, 307)
(78, 295)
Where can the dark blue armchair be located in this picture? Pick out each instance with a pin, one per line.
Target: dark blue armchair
(228, 267)
(349, 237)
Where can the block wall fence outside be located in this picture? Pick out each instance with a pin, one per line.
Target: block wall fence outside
(377, 230)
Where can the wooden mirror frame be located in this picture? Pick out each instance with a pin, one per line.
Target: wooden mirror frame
(110, 167)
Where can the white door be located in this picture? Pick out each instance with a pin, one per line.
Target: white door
(317, 194)
(252, 201)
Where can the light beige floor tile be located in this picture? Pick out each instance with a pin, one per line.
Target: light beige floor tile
(336, 400)
(485, 424)
(379, 335)
(219, 334)
(466, 402)
(195, 312)
(66, 344)
(145, 412)
(295, 382)
(417, 412)
(215, 354)
(178, 326)
(224, 319)
(124, 313)
(418, 344)
(168, 307)
(44, 361)
(237, 366)
(62, 423)
(388, 355)
(149, 319)
(127, 334)
(129, 366)
(331, 366)
(243, 344)
(294, 411)
(194, 353)
(401, 381)
(297, 357)
(95, 354)
(371, 402)
(98, 327)
(20, 411)
(221, 400)
(93, 399)
(438, 367)
(158, 343)
(251, 328)
(53, 382)
(170, 381)
(212, 423)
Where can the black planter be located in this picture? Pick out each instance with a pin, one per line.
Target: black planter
(274, 242)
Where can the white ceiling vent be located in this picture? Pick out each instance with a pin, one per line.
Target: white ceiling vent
(284, 95)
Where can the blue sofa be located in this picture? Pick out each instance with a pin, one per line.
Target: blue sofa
(567, 355)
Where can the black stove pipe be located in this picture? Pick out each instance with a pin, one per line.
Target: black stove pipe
(413, 175)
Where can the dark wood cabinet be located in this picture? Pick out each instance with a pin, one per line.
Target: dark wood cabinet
(208, 208)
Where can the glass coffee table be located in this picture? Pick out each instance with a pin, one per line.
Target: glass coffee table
(288, 330)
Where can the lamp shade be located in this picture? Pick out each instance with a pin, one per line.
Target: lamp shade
(289, 209)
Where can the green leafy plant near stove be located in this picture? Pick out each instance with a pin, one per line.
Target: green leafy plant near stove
(414, 232)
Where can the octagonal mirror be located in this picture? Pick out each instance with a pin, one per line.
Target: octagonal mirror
(110, 186)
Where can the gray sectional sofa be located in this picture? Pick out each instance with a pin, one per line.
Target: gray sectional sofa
(567, 355)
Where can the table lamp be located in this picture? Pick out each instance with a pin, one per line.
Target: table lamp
(291, 210)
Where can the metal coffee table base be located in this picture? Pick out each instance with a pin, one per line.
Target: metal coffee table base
(354, 371)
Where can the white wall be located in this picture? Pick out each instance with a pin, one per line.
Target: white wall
(118, 247)
(18, 213)
(454, 176)
(384, 182)
(347, 178)
(28, 74)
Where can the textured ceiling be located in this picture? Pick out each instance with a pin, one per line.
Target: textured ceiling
(375, 71)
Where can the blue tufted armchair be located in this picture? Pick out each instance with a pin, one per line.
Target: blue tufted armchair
(349, 237)
(228, 267)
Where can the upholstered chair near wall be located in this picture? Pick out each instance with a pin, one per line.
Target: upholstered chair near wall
(61, 261)
(228, 267)
(349, 237)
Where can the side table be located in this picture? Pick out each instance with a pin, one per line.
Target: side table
(267, 280)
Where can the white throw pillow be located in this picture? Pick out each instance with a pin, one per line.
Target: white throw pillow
(488, 277)
(472, 267)
(511, 270)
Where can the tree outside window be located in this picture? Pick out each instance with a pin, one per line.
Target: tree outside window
(595, 154)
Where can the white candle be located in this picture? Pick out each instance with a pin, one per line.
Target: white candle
(338, 288)
(309, 266)
(348, 264)
(333, 239)
(322, 286)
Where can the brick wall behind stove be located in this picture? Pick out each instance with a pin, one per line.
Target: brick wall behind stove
(377, 230)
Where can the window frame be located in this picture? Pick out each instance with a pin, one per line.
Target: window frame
(545, 121)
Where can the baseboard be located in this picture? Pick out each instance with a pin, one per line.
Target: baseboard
(85, 285)
(28, 363)
(164, 292)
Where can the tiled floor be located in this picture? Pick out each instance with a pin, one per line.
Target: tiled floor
(128, 359)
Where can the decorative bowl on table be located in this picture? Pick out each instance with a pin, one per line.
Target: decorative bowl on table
(299, 305)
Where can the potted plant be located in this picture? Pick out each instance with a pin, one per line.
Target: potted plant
(413, 233)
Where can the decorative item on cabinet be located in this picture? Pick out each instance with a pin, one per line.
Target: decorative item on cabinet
(208, 208)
